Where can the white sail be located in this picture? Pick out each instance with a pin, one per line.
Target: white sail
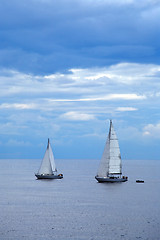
(104, 163)
(115, 165)
(111, 158)
(48, 163)
(51, 157)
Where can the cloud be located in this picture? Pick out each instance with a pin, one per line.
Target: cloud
(109, 82)
(17, 106)
(77, 116)
(102, 89)
(64, 61)
(48, 36)
(42, 104)
(126, 109)
(104, 98)
(152, 130)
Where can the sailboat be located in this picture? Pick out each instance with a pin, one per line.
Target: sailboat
(110, 168)
(48, 169)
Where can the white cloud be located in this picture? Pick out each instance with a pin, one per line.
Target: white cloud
(124, 73)
(77, 116)
(146, 133)
(104, 98)
(126, 109)
(93, 91)
(18, 106)
(112, 82)
(152, 130)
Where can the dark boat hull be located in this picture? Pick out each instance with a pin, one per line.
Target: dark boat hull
(47, 176)
(110, 179)
(139, 181)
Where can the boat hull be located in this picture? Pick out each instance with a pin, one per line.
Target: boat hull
(139, 181)
(47, 176)
(110, 179)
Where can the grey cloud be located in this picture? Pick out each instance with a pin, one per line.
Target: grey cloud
(43, 37)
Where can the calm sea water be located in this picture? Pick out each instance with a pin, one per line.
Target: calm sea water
(77, 207)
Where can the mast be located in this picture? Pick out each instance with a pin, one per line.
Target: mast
(110, 126)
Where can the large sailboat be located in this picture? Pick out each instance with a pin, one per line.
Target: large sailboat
(110, 168)
(48, 169)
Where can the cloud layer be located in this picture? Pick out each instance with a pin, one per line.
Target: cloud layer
(48, 36)
(68, 66)
(76, 104)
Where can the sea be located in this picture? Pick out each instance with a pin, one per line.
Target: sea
(78, 207)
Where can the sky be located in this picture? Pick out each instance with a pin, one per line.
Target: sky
(67, 67)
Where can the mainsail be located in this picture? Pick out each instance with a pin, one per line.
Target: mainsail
(48, 164)
(111, 159)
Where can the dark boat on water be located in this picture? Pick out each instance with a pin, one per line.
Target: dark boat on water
(139, 181)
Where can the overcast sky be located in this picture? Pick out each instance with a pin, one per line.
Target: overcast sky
(68, 66)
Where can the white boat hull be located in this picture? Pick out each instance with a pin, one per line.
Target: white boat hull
(111, 179)
(49, 176)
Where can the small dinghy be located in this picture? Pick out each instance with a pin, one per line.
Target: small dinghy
(48, 168)
(139, 181)
(110, 169)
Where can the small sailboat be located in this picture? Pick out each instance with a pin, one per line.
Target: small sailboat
(48, 169)
(110, 168)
